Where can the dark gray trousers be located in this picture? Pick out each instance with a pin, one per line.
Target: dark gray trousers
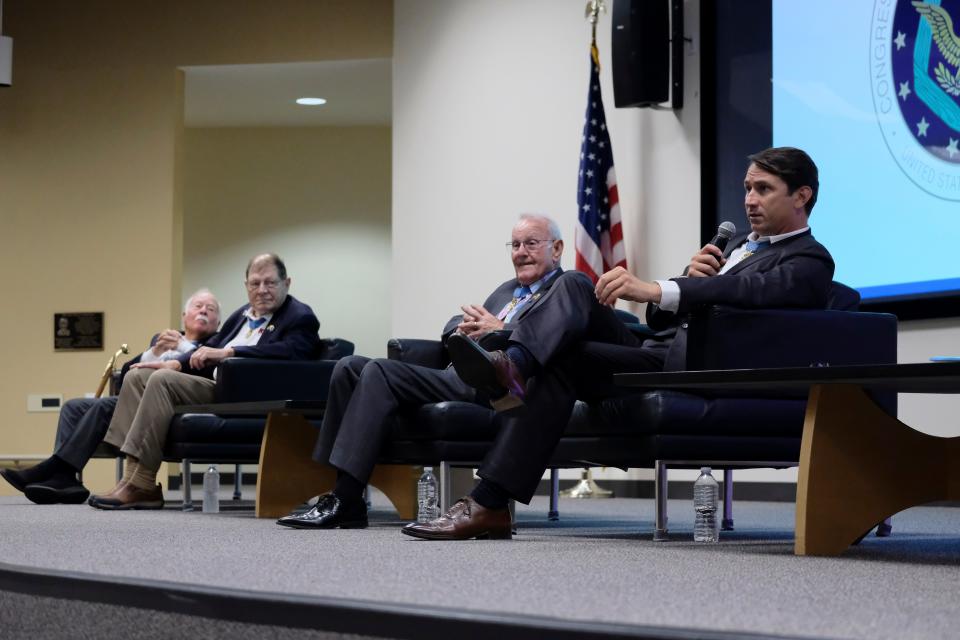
(82, 426)
(366, 394)
(580, 344)
(364, 397)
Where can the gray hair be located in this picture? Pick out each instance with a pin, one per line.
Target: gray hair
(273, 259)
(552, 226)
(199, 292)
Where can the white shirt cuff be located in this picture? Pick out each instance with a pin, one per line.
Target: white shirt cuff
(669, 295)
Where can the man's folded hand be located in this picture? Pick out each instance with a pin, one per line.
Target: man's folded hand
(477, 321)
(166, 364)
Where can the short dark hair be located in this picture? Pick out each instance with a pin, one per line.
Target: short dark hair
(791, 165)
(268, 257)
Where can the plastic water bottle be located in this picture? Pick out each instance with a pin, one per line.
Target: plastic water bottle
(427, 496)
(705, 494)
(211, 490)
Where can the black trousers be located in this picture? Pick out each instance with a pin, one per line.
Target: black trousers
(82, 425)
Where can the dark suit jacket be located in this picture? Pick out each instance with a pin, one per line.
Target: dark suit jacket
(500, 297)
(795, 272)
(291, 334)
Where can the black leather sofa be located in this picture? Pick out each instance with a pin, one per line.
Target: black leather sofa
(663, 429)
(659, 429)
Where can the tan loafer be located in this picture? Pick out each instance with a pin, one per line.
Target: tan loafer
(130, 497)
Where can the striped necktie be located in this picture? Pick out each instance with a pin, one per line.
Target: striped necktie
(520, 295)
(253, 324)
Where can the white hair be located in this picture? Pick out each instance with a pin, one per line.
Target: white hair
(552, 226)
(200, 292)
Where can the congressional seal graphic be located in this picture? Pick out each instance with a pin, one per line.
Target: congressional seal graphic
(915, 73)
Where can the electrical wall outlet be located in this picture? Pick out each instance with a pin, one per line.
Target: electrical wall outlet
(44, 402)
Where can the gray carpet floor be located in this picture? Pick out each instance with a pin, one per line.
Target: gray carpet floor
(598, 562)
(33, 618)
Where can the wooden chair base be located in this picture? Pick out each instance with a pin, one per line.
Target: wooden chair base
(288, 475)
(858, 465)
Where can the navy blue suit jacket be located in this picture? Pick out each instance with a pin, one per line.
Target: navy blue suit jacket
(291, 334)
(793, 273)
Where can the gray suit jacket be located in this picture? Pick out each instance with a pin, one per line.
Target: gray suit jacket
(500, 297)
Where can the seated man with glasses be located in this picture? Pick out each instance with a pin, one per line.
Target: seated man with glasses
(273, 325)
(365, 394)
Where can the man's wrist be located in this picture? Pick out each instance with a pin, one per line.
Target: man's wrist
(655, 292)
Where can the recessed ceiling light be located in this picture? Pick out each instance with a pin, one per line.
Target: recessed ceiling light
(311, 101)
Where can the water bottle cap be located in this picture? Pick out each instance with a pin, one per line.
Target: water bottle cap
(212, 467)
(705, 470)
(425, 469)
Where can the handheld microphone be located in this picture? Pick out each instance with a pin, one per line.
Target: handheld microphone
(725, 231)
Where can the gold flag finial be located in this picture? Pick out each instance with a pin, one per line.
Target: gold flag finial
(592, 14)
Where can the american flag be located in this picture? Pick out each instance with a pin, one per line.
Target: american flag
(599, 236)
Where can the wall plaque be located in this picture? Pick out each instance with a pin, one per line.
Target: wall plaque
(78, 331)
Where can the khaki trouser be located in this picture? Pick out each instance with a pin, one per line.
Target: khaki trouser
(142, 417)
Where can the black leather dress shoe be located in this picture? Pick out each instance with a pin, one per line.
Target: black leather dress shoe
(57, 490)
(329, 513)
(14, 478)
(489, 371)
(465, 520)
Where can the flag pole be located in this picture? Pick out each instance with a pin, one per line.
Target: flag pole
(586, 487)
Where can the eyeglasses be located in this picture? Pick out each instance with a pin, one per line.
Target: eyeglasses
(270, 285)
(529, 245)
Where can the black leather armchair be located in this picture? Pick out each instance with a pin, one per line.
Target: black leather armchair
(663, 429)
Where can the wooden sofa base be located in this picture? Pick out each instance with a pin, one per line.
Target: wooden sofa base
(859, 465)
(288, 475)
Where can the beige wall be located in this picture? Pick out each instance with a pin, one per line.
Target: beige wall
(320, 197)
(87, 163)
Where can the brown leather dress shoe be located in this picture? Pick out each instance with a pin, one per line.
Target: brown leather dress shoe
(465, 520)
(492, 372)
(108, 495)
(131, 496)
